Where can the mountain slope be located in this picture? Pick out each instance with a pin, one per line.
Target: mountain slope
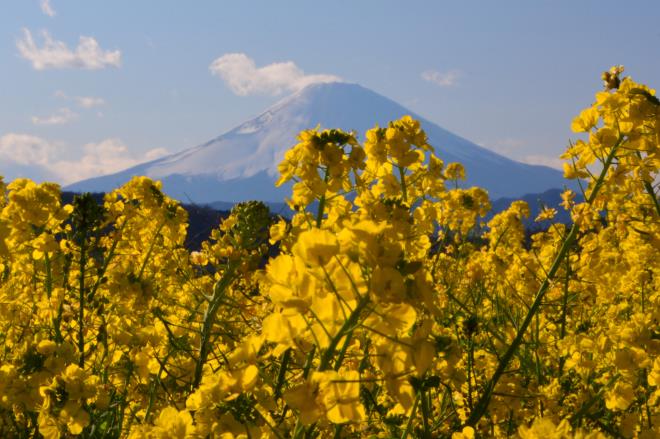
(242, 163)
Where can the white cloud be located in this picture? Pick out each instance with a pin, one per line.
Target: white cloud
(47, 8)
(26, 149)
(508, 146)
(244, 78)
(155, 153)
(89, 101)
(443, 79)
(57, 55)
(105, 157)
(514, 149)
(82, 101)
(553, 162)
(60, 117)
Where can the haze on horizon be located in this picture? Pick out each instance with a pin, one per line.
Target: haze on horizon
(93, 88)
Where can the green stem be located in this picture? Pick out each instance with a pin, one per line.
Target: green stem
(271, 426)
(405, 433)
(299, 429)
(404, 189)
(49, 292)
(81, 302)
(328, 354)
(342, 352)
(308, 362)
(575, 419)
(152, 395)
(209, 320)
(651, 192)
(124, 398)
(564, 311)
(469, 371)
(349, 323)
(66, 269)
(49, 276)
(482, 405)
(150, 251)
(319, 213)
(425, 413)
(104, 268)
(282, 373)
(647, 393)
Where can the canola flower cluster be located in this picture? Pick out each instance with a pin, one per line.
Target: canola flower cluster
(388, 310)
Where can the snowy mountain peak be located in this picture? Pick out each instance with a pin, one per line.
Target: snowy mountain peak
(242, 163)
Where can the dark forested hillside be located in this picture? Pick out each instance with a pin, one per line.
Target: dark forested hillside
(201, 219)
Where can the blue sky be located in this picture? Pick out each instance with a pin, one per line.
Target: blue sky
(508, 75)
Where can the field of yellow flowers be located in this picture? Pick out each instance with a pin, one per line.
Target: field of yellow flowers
(388, 310)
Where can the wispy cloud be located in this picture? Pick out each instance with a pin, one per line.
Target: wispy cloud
(56, 54)
(443, 79)
(89, 101)
(86, 102)
(517, 149)
(25, 149)
(47, 8)
(155, 153)
(244, 78)
(507, 146)
(60, 117)
(553, 162)
(104, 157)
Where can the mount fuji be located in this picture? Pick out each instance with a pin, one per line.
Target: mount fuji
(242, 163)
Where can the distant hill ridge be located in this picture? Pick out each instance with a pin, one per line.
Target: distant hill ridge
(202, 219)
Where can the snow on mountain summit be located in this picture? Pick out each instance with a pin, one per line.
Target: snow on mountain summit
(242, 163)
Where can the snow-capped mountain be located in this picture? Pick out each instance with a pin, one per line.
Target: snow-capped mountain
(242, 163)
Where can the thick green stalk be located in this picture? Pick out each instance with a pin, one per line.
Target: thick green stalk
(342, 352)
(209, 320)
(81, 303)
(651, 192)
(152, 245)
(404, 188)
(319, 213)
(426, 413)
(564, 307)
(124, 399)
(299, 429)
(104, 268)
(328, 354)
(575, 419)
(482, 405)
(406, 432)
(470, 370)
(349, 323)
(282, 373)
(649, 189)
(49, 292)
(564, 312)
